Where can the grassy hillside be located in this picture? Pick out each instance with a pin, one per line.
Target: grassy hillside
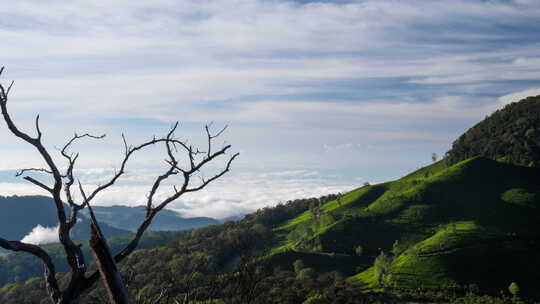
(476, 222)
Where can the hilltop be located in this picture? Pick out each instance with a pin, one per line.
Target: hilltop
(511, 135)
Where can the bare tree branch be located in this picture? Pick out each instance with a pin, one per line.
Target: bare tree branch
(9, 88)
(37, 128)
(76, 137)
(71, 179)
(128, 153)
(205, 183)
(38, 183)
(22, 171)
(79, 282)
(73, 252)
(72, 159)
(152, 211)
(49, 274)
(210, 137)
(171, 171)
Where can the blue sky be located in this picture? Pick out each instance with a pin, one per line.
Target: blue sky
(319, 96)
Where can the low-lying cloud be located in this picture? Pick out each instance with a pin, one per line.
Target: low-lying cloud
(42, 235)
(234, 194)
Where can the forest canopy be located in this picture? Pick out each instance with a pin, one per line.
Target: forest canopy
(510, 135)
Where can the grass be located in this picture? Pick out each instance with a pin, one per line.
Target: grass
(351, 200)
(519, 196)
(455, 235)
(443, 218)
(366, 280)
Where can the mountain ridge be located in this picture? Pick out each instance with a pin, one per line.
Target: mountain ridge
(19, 215)
(129, 218)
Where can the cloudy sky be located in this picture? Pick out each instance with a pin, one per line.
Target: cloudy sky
(319, 96)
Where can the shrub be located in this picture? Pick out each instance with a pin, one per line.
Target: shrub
(514, 289)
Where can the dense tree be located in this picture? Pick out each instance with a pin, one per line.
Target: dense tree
(514, 289)
(382, 267)
(24, 266)
(359, 250)
(298, 265)
(395, 249)
(511, 134)
(62, 193)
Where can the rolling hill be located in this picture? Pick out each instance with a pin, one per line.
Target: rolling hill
(476, 222)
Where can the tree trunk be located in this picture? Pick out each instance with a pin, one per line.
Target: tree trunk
(110, 276)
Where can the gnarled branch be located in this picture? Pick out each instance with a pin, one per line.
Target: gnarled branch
(79, 282)
(42, 170)
(49, 273)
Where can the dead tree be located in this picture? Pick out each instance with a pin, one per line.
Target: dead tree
(81, 278)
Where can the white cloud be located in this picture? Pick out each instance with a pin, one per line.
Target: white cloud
(448, 107)
(292, 173)
(338, 147)
(529, 62)
(251, 193)
(7, 189)
(42, 235)
(517, 96)
(293, 80)
(232, 195)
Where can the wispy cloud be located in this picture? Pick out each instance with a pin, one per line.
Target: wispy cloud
(517, 96)
(295, 80)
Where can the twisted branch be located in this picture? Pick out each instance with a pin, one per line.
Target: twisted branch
(79, 282)
(49, 273)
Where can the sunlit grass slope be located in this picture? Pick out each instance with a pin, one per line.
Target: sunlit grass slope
(474, 222)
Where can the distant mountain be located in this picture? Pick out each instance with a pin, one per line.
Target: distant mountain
(20, 214)
(129, 218)
(510, 135)
(233, 218)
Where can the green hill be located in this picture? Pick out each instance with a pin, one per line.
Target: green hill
(511, 134)
(476, 222)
